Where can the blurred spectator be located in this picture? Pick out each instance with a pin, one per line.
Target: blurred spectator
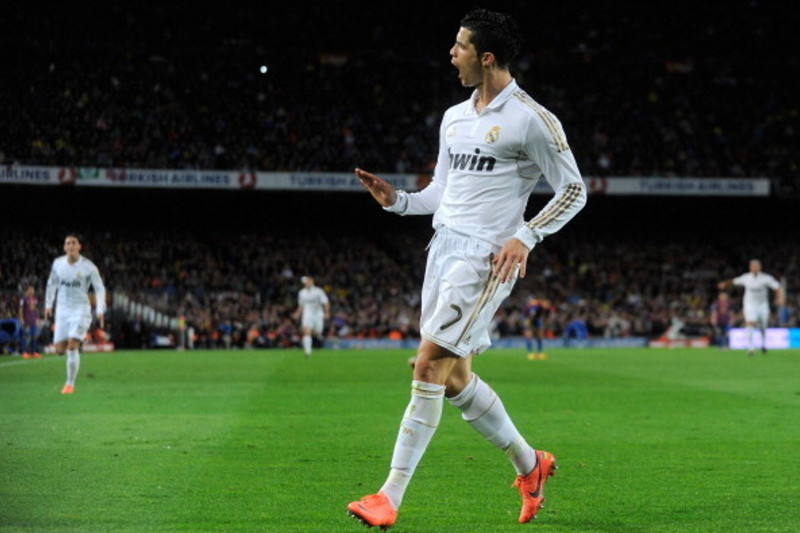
(29, 321)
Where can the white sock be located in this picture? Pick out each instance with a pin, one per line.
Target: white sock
(307, 344)
(763, 337)
(416, 430)
(750, 338)
(483, 410)
(73, 364)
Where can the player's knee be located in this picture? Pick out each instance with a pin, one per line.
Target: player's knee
(424, 370)
(429, 371)
(454, 385)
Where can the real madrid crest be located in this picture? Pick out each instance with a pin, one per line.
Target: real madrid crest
(493, 135)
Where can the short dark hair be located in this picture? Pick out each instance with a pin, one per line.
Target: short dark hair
(494, 32)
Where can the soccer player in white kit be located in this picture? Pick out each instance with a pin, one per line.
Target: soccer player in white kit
(315, 308)
(68, 286)
(756, 301)
(493, 149)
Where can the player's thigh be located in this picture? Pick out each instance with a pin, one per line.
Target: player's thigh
(460, 296)
(61, 330)
(762, 319)
(313, 324)
(758, 316)
(75, 328)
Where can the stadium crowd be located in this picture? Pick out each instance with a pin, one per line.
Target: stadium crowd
(641, 90)
(241, 290)
(135, 89)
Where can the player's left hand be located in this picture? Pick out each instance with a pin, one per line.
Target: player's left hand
(513, 254)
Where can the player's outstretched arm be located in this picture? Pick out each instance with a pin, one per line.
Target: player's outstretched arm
(383, 192)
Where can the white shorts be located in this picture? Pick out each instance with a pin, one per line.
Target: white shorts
(71, 327)
(315, 322)
(460, 296)
(757, 314)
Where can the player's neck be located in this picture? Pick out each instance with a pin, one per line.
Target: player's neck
(72, 260)
(494, 81)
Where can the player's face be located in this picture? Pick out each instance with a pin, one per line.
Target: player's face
(72, 247)
(755, 267)
(464, 57)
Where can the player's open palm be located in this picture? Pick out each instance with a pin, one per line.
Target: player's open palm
(383, 192)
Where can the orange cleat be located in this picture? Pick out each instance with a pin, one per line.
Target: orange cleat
(374, 510)
(37, 355)
(68, 389)
(538, 356)
(531, 487)
(26, 355)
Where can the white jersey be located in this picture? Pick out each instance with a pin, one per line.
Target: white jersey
(756, 288)
(71, 283)
(488, 165)
(313, 301)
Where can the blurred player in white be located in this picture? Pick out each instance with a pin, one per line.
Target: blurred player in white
(493, 148)
(757, 285)
(68, 286)
(314, 308)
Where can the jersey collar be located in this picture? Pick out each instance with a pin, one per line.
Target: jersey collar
(498, 100)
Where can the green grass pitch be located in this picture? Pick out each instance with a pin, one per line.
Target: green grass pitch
(647, 441)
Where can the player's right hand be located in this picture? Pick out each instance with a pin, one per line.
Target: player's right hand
(383, 192)
(512, 256)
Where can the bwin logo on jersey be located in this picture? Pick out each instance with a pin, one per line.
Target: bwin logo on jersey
(74, 284)
(493, 135)
(471, 162)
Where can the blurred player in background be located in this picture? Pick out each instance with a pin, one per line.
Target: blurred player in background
(29, 319)
(537, 310)
(314, 308)
(721, 319)
(757, 285)
(68, 286)
(492, 150)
